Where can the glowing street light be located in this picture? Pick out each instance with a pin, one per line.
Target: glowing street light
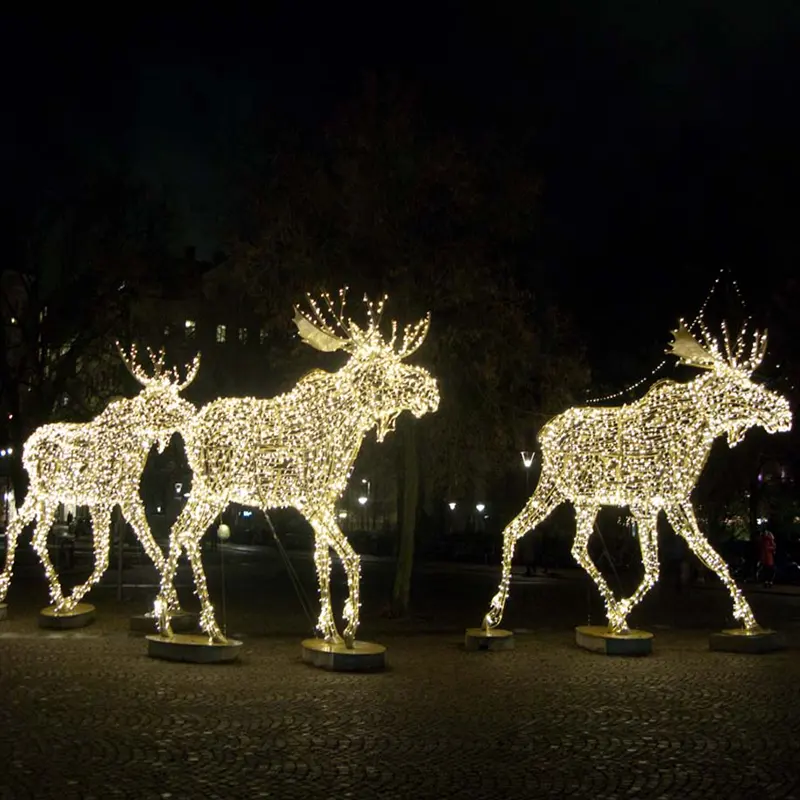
(527, 462)
(452, 506)
(362, 500)
(480, 508)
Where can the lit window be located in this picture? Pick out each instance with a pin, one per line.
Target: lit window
(221, 333)
(243, 335)
(191, 328)
(262, 336)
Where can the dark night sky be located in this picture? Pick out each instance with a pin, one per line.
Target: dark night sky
(666, 134)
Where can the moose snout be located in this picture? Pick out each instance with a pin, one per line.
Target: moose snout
(779, 420)
(427, 399)
(784, 422)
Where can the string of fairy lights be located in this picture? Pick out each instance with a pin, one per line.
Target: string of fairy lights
(298, 449)
(626, 392)
(99, 464)
(648, 455)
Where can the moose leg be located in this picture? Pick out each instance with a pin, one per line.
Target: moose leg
(161, 607)
(326, 624)
(683, 520)
(101, 541)
(24, 516)
(585, 517)
(648, 545)
(538, 508)
(47, 515)
(135, 514)
(352, 567)
(193, 522)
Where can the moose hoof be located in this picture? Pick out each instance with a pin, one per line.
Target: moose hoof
(740, 640)
(78, 617)
(192, 648)
(599, 639)
(180, 621)
(337, 657)
(488, 639)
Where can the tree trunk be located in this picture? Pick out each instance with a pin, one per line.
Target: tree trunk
(408, 523)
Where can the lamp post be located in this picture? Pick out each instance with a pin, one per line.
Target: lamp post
(363, 499)
(527, 462)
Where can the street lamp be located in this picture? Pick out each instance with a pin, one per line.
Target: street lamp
(480, 507)
(527, 462)
(364, 498)
(452, 506)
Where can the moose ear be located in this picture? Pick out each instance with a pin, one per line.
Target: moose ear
(312, 335)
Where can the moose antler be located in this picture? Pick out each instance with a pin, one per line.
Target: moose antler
(689, 351)
(709, 355)
(736, 355)
(317, 331)
(191, 373)
(414, 335)
(160, 375)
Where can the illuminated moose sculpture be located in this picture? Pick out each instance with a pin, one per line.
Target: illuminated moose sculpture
(297, 449)
(100, 464)
(649, 455)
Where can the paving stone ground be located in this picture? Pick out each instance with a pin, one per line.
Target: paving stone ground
(86, 714)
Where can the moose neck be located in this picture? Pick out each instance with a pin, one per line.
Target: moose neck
(700, 409)
(685, 413)
(335, 400)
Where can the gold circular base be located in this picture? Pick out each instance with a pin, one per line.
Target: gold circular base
(78, 617)
(192, 647)
(488, 639)
(604, 632)
(599, 639)
(336, 656)
(748, 632)
(742, 640)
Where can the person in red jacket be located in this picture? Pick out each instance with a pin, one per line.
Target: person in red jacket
(767, 556)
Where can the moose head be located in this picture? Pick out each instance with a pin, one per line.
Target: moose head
(158, 409)
(384, 386)
(727, 393)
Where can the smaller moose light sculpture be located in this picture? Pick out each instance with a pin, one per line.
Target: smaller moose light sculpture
(296, 450)
(648, 455)
(100, 464)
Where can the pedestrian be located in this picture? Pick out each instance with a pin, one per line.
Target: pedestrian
(767, 556)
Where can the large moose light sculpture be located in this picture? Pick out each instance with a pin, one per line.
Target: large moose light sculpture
(648, 455)
(297, 449)
(100, 464)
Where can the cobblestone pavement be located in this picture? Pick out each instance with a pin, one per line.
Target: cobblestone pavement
(85, 714)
